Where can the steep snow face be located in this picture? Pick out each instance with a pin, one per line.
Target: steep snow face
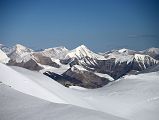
(56, 53)
(20, 53)
(141, 57)
(145, 59)
(3, 57)
(81, 52)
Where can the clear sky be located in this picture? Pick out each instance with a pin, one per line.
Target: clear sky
(99, 24)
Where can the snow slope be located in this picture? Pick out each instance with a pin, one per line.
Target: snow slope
(18, 106)
(134, 97)
(39, 85)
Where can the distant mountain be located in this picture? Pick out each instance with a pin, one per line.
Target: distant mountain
(3, 57)
(22, 56)
(153, 52)
(119, 64)
(6, 49)
(114, 63)
(27, 58)
(82, 52)
(20, 53)
(56, 53)
(124, 51)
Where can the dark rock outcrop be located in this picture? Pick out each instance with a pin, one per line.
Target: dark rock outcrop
(31, 64)
(88, 78)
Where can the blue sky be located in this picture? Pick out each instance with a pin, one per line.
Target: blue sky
(99, 24)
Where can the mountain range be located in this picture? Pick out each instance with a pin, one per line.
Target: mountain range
(81, 66)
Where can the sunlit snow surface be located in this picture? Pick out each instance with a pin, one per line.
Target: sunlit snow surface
(134, 97)
(18, 106)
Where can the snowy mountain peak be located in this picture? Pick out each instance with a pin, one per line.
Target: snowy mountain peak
(82, 46)
(19, 48)
(20, 52)
(81, 52)
(122, 50)
(83, 49)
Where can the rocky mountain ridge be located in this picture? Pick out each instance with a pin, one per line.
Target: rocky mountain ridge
(115, 63)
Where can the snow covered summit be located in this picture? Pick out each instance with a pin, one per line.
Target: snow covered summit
(19, 53)
(81, 52)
